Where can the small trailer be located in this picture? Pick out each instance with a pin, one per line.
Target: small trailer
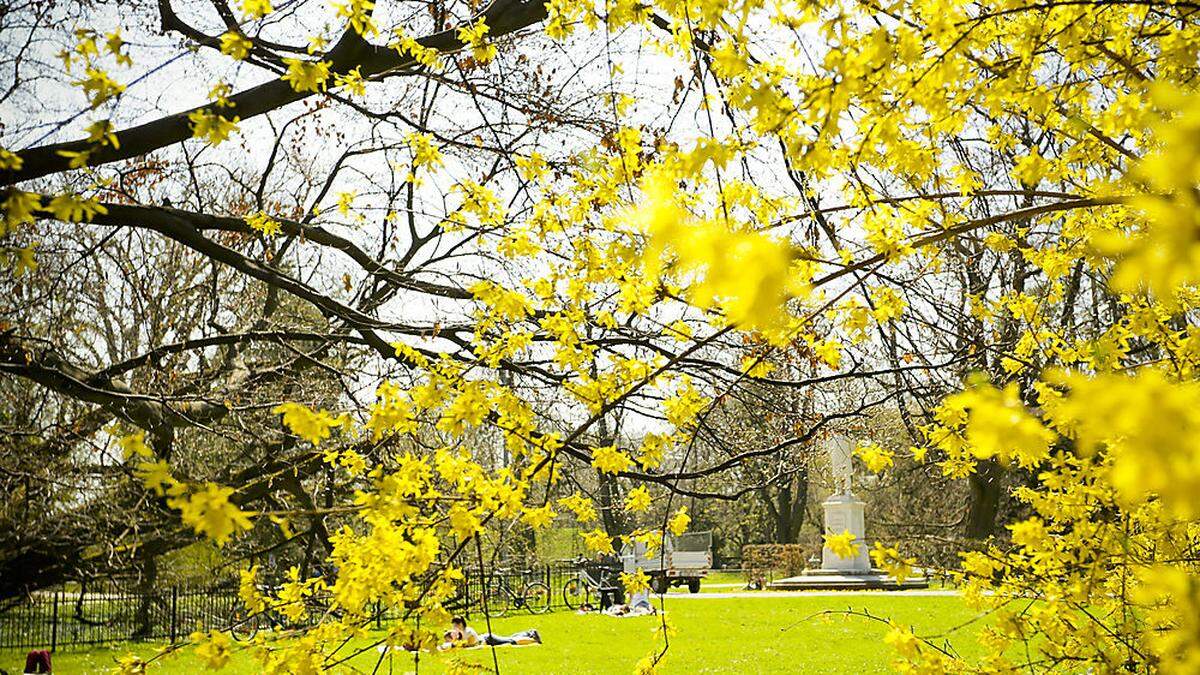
(683, 560)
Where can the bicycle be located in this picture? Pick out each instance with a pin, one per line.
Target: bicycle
(589, 579)
(501, 597)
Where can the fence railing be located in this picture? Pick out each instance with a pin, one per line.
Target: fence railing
(502, 591)
(117, 612)
(108, 613)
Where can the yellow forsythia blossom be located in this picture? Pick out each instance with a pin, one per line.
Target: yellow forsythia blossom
(636, 581)
(209, 512)
(134, 445)
(540, 517)
(236, 45)
(129, 664)
(73, 209)
(213, 648)
(876, 458)
(103, 132)
(248, 591)
(638, 499)
(312, 426)
(842, 545)
(464, 523)
(256, 8)
(212, 126)
(352, 81)
(10, 160)
(156, 476)
(610, 460)
(903, 641)
(99, 87)
(889, 306)
(581, 506)
(424, 152)
(997, 425)
(889, 559)
(597, 541)
(475, 37)
(358, 13)
(263, 223)
(678, 524)
(305, 75)
(747, 274)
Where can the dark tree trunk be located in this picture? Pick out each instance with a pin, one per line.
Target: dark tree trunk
(785, 502)
(142, 619)
(610, 510)
(610, 491)
(799, 503)
(783, 513)
(986, 490)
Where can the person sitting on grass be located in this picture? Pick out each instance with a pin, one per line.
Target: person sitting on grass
(461, 635)
(640, 601)
(638, 605)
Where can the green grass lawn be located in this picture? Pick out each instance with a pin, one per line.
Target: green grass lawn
(733, 635)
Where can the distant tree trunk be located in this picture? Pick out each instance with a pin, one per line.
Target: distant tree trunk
(783, 513)
(610, 510)
(785, 501)
(986, 489)
(609, 492)
(143, 624)
(799, 501)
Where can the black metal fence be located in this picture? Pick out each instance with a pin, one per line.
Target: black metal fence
(113, 612)
(503, 591)
(117, 612)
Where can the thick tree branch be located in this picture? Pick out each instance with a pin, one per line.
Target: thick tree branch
(502, 16)
(50, 369)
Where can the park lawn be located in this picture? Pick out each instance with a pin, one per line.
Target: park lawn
(727, 635)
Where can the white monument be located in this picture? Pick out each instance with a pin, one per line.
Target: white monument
(844, 511)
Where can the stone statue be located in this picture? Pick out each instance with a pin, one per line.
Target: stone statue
(845, 513)
(840, 453)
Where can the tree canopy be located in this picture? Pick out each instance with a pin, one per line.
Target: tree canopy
(378, 286)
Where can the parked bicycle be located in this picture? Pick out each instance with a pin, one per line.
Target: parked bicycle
(506, 593)
(590, 581)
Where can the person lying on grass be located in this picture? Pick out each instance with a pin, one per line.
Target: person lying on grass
(461, 635)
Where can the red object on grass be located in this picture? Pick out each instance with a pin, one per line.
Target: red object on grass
(37, 661)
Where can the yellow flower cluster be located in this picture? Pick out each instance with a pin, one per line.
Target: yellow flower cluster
(209, 512)
(263, 223)
(875, 457)
(236, 45)
(581, 506)
(678, 523)
(598, 541)
(313, 426)
(842, 545)
(747, 274)
(608, 459)
(305, 75)
(212, 126)
(638, 499)
(475, 36)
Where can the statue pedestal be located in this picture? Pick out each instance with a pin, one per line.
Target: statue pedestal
(845, 512)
